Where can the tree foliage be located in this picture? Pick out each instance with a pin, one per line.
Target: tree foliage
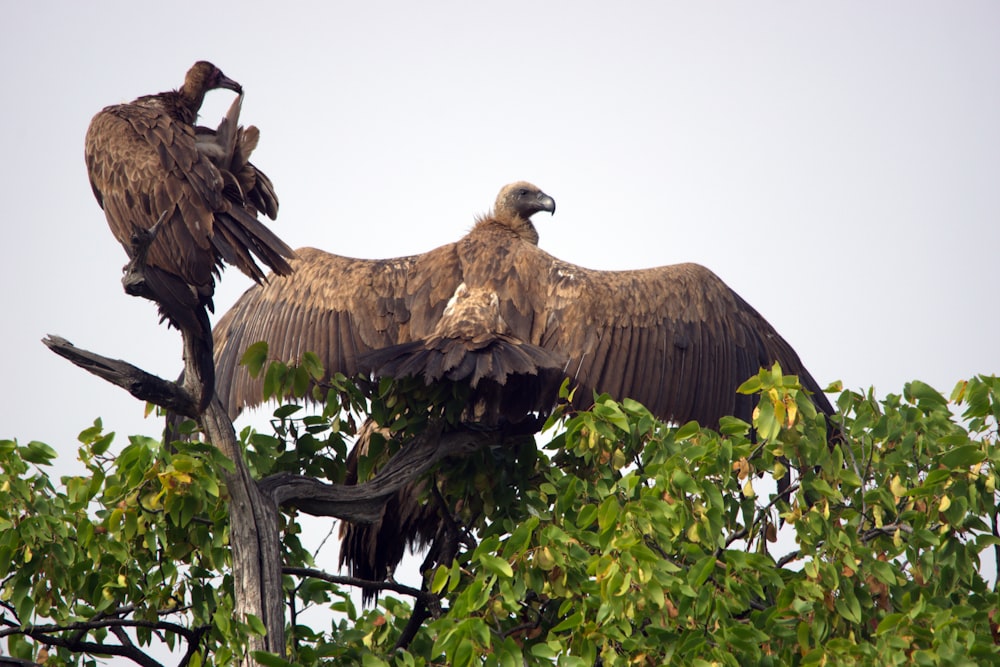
(620, 540)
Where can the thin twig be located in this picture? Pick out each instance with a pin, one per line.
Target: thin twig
(353, 581)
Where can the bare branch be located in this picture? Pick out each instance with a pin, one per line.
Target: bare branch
(8, 661)
(47, 634)
(144, 386)
(193, 643)
(890, 529)
(353, 581)
(788, 558)
(85, 626)
(362, 503)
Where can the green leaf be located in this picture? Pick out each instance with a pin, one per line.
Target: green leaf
(101, 445)
(687, 431)
(702, 570)
(300, 381)
(311, 362)
(569, 623)
(607, 515)
(20, 647)
(286, 411)
(24, 603)
(274, 379)
(270, 660)
(254, 358)
(733, 426)
(889, 623)
(923, 392)
(848, 606)
(510, 654)
(963, 457)
(256, 625)
(751, 386)
(609, 410)
(370, 660)
(38, 453)
(88, 435)
(462, 655)
(496, 565)
(440, 579)
(542, 651)
(586, 516)
(884, 572)
(519, 539)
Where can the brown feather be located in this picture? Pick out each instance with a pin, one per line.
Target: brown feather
(150, 170)
(675, 337)
(144, 159)
(229, 147)
(372, 551)
(338, 307)
(495, 311)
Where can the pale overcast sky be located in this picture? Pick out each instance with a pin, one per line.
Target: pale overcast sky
(838, 165)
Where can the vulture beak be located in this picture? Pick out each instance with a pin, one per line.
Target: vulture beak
(229, 84)
(546, 203)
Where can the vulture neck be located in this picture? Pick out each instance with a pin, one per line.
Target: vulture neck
(181, 105)
(509, 224)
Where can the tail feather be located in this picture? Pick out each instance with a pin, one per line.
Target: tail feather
(238, 234)
(510, 380)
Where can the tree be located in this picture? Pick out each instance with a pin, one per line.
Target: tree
(620, 541)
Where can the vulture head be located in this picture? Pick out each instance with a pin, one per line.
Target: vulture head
(204, 76)
(201, 78)
(515, 205)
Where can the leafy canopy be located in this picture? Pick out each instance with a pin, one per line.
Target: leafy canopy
(621, 540)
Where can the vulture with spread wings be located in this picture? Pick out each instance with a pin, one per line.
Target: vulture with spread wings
(497, 312)
(191, 193)
(494, 306)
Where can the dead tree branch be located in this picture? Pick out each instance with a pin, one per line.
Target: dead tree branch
(306, 572)
(144, 386)
(363, 503)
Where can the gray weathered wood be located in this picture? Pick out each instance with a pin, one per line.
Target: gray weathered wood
(363, 503)
(253, 509)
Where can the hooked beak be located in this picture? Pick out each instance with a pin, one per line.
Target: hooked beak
(546, 203)
(229, 84)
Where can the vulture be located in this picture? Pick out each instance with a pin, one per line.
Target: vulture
(493, 306)
(496, 311)
(191, 193)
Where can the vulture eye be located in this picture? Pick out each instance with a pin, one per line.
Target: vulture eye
(522, 192)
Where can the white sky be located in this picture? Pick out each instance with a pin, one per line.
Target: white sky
(837, 165)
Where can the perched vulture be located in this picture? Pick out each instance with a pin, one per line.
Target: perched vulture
(147, 163)
(494, 309)
(494, 305)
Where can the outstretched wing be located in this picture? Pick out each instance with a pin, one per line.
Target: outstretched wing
(337, 307)
(675, 338)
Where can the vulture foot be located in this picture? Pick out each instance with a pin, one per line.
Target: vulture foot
(134, 280)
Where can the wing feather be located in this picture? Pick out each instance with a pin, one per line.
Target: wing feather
(676, 338)
(337, 307)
